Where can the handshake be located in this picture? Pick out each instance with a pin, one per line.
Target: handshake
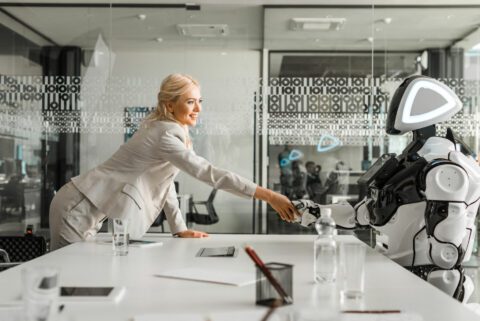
(309, 212)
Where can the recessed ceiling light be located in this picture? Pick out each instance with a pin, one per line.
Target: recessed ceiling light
(141, 16)
(298, 24)
(370, 39)
(203, 30)
(387, 20)
(223, 53)
(159, 39)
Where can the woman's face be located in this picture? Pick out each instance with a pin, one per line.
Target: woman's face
(187, 107)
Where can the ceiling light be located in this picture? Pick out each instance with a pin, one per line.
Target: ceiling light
(142, 16)
(159, 39)
(387, 20)
(203, 30)
(316, 23)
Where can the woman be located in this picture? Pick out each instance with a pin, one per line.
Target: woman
(137, 182)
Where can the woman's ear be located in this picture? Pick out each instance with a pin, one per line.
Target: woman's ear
(170, 107)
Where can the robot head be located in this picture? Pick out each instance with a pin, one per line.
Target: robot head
(419, 102)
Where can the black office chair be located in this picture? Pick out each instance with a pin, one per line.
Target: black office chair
(160, 220)
(208, 218)
(15, 250)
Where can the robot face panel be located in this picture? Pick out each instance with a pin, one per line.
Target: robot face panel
(420, 102)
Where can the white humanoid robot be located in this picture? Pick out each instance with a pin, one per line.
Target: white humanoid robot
(424, 201)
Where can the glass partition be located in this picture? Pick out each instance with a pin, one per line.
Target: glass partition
(295, 97)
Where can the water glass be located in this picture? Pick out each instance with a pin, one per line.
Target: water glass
(120, 237)
(352, 267)
(40, 293)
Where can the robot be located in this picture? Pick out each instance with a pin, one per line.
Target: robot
(424, 201)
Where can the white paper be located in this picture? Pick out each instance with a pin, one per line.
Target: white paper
(217, 316)
(403, 316)
(222, 276)
(148, 243)
(11, 311)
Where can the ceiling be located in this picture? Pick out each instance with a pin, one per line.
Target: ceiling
(251, 26)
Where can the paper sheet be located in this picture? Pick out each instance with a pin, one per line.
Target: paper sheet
(222, 276)
(218, 316)
(403, 316)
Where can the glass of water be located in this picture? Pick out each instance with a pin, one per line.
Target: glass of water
(40, 293)
(352, 265)
(120, 237)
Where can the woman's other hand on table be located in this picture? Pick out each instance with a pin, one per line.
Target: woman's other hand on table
(192, 234)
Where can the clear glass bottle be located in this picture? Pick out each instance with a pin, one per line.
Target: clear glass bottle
(325, 249)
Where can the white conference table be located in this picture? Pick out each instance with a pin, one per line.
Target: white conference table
(387, 285)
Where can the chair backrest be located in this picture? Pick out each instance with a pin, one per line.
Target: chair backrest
(23, 248)
(208, 218)
(211, 197)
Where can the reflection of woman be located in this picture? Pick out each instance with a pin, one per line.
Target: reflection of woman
(137, 181)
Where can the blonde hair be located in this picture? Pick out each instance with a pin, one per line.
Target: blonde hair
(172, 87)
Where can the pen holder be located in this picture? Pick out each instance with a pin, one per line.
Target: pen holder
(266, 294)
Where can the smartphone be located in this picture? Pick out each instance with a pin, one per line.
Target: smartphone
(90, 293)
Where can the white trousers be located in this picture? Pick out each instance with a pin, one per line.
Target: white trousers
(73, 218)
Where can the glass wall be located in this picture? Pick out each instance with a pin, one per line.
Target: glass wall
(295, 97)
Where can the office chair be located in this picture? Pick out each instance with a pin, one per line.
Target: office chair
(160, 220)
(208, 218)
(162, 217)
(15, 250)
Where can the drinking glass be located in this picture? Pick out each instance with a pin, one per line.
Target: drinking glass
(120, 237)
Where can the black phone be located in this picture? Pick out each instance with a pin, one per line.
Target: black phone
(85, 291)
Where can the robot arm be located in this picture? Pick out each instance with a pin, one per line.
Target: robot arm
(446, 188)
(344, 215)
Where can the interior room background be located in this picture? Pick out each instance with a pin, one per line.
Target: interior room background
(284, 86)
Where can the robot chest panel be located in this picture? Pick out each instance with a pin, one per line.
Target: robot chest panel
(400, 189)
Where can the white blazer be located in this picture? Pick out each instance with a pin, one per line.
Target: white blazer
(137, 181)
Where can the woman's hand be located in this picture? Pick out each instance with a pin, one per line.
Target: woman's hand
(280, 203)
(192, 234)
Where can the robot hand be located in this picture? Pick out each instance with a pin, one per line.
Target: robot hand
(342, 213)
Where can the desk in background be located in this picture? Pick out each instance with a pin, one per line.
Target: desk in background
(387, 285)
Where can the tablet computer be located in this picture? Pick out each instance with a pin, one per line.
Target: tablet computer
(90, 293)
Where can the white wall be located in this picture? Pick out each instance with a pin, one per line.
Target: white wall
(17, 65)
(225, 133)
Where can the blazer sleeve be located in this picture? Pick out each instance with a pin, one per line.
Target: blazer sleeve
(172, 211)
(172, 148)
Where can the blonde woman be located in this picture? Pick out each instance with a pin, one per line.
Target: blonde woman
(137, 182)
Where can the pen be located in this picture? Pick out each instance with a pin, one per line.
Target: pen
(259, 263)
